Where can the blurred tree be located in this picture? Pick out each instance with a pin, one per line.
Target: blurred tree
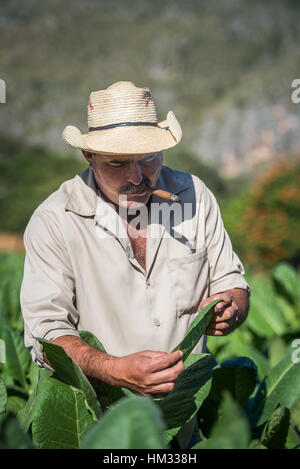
(265, 221)
(27, 176)
(182, 159)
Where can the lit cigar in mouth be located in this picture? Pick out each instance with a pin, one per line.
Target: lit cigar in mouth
(163, 194)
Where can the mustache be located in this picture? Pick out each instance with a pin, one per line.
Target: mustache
(132, 189)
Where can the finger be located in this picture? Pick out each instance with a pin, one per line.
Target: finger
(219, 326)
(165, 361)
(220, 306)
(213, 332)
(223, 329)
(226, 300)
(162, 389)
(226, 315)
(168, 375)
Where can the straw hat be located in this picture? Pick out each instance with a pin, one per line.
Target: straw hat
(122, 120)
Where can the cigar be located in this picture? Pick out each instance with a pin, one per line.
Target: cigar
(163, 194)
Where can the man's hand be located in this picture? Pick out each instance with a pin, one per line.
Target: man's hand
(149, 372)
(229, 313)
(145, 372)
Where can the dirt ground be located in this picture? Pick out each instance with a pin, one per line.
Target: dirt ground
(11, 242)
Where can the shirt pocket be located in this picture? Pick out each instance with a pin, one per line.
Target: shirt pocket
(190, 278)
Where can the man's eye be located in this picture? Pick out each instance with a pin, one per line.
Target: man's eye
(116, 165)
(148, 161)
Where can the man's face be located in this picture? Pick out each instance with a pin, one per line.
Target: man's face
(125, 175)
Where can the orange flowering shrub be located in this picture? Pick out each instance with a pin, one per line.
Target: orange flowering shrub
(269, 229)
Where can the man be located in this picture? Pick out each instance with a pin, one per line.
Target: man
(136, 285)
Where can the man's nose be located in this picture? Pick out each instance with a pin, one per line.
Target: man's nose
(135, 175)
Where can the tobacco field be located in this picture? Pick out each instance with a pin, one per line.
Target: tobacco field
(245, 391)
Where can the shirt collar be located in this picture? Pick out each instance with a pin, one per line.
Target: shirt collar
(83, 197)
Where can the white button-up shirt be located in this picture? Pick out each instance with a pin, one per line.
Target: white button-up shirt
(80, 272)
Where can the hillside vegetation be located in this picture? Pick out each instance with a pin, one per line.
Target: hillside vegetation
(224, 68)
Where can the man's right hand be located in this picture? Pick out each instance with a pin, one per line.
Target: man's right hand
(148, 372)
(145, 372)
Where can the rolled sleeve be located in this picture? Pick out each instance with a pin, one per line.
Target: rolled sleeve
(225, 267)
(47, 295)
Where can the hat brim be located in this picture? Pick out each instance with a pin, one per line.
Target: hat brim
(127, 140)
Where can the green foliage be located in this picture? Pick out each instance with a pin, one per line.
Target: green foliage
(280, 386)
(136, 417)
(27, 178)
(196, 330)
(238, 376)
(231, 431)
(11, 273)
(191, 388)
(61, 415)
(183, 159)
(3, 397)
(12, 435)
(69, 372)
(276, 430)
(238, 403)
(266, 229)
(272, 323)
(17, 356)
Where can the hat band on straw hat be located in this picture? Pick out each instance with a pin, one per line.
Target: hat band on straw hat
(124, 124)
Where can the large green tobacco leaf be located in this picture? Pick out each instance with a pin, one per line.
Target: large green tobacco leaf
(68, 371)
(16, 398)
(277, 350)
(33, 374)
(232, 429)
(276, 430)
(265, 316)
(286, 282)
(61, 414)
(292, 439)
(3, 396)
(25, 415)
(12, 435)
(238, 376)
(17, 356)
(92, 340)
(196, 330)
(10, 282)
(295, 414)
(239, 343)
(280, 386)
(191, 388)
(133, 423)
(293, 436)
(15, 404)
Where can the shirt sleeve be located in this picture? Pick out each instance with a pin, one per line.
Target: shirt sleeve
(47, 295)
(226, 269)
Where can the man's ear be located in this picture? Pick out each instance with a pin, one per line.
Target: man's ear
(88, 156)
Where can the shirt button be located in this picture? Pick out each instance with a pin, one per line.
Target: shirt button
(148, 283)
(156, 322)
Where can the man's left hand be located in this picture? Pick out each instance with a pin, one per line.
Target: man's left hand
(227, 315)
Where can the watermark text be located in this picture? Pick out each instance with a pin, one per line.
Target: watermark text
(296, 353)
(295, 96)
(2, 351)
(2, 91)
